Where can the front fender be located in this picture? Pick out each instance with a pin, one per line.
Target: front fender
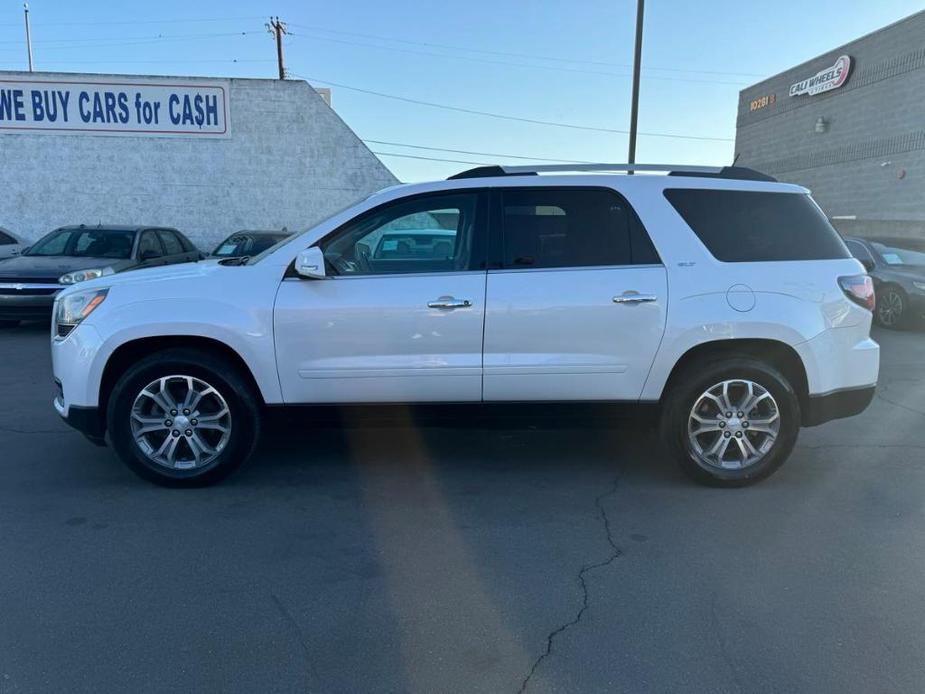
(249, 332)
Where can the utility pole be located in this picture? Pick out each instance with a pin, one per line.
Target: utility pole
(278, 28)
(25, 7)
(637, 64)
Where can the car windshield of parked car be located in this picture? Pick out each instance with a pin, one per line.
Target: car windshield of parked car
(244, 244)
(86, 243)
(900, 252)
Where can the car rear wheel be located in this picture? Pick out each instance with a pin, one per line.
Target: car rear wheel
(890, 311)
(732, 422)
(183, 418)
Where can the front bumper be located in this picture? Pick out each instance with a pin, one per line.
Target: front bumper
(26, 306)
(89, 421)
(838, 404)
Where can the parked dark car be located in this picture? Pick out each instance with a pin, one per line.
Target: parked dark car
(897, 267)
(71, 254)
(248, 243)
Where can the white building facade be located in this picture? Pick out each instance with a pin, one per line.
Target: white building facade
(207, 156)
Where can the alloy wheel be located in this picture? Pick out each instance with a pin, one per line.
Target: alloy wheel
(890, 309)
(180, 422)
(733, 424)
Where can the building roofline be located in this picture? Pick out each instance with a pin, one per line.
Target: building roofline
(831, 50)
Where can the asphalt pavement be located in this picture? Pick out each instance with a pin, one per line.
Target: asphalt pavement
(464, 559)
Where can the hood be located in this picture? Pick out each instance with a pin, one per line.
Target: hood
(53, 266)
(164, 273)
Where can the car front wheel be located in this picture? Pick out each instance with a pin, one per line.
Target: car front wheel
(731, 422)
(183, 418)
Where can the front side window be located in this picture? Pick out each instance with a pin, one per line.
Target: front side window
(149, 246)
(740, 226)
(434, 233)
(86, 243)
(553, 228)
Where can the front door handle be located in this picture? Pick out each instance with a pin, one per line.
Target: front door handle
(448, 302)
(634, 298)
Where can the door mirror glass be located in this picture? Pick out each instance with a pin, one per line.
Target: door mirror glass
(310, 264)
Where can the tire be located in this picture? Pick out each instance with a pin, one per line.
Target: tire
(4, 324)
(890, 310)
(205, 452)
(689, 390)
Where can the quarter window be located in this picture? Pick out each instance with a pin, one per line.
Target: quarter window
(552, 227)
(740, 226)
(429, 234)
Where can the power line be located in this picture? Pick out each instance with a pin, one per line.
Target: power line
(143, 21)
(511, 64)
(131, 40)
(412, 156)
(478, 154)
(501, 116)
(533, 56)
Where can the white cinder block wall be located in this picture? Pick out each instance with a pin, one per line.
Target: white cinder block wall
(290, 161)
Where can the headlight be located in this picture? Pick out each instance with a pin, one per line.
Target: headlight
(920, 286)
(71, 309)
(84, 275)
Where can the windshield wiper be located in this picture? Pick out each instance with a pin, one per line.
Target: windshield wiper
(235, 261)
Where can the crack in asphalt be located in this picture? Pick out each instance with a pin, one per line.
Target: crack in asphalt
(14, 430)
(908, 408)
(615, 553)
(300, 637)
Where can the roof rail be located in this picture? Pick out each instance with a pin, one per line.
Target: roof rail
(732, 172)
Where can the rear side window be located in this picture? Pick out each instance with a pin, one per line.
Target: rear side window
(743, 226)
(554, 227)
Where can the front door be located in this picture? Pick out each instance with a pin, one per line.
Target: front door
(576, 304)
(400, 317)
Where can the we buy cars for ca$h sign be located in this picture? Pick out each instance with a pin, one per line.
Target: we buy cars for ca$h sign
(115, 107)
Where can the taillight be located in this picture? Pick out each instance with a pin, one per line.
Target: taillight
(860, 289)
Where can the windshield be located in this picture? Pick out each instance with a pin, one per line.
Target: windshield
(899, 252)
(86, 243)
(246, 244)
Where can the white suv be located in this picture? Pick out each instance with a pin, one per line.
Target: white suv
(718, 295)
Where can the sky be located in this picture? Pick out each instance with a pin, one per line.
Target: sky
(542, 60)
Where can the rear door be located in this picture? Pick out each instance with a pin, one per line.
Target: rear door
(576, 297)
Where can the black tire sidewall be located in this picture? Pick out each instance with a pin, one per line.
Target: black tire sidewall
(698, 380)
(217, 372)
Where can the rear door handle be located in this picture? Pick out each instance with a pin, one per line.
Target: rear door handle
(448, 302)
(633, 298)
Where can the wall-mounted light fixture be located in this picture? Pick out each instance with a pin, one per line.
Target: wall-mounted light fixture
(822, 125)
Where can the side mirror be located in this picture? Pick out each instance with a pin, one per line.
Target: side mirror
(310, 264)
(868, 264)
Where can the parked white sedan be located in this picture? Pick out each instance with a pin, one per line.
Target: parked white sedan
(10, 244)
